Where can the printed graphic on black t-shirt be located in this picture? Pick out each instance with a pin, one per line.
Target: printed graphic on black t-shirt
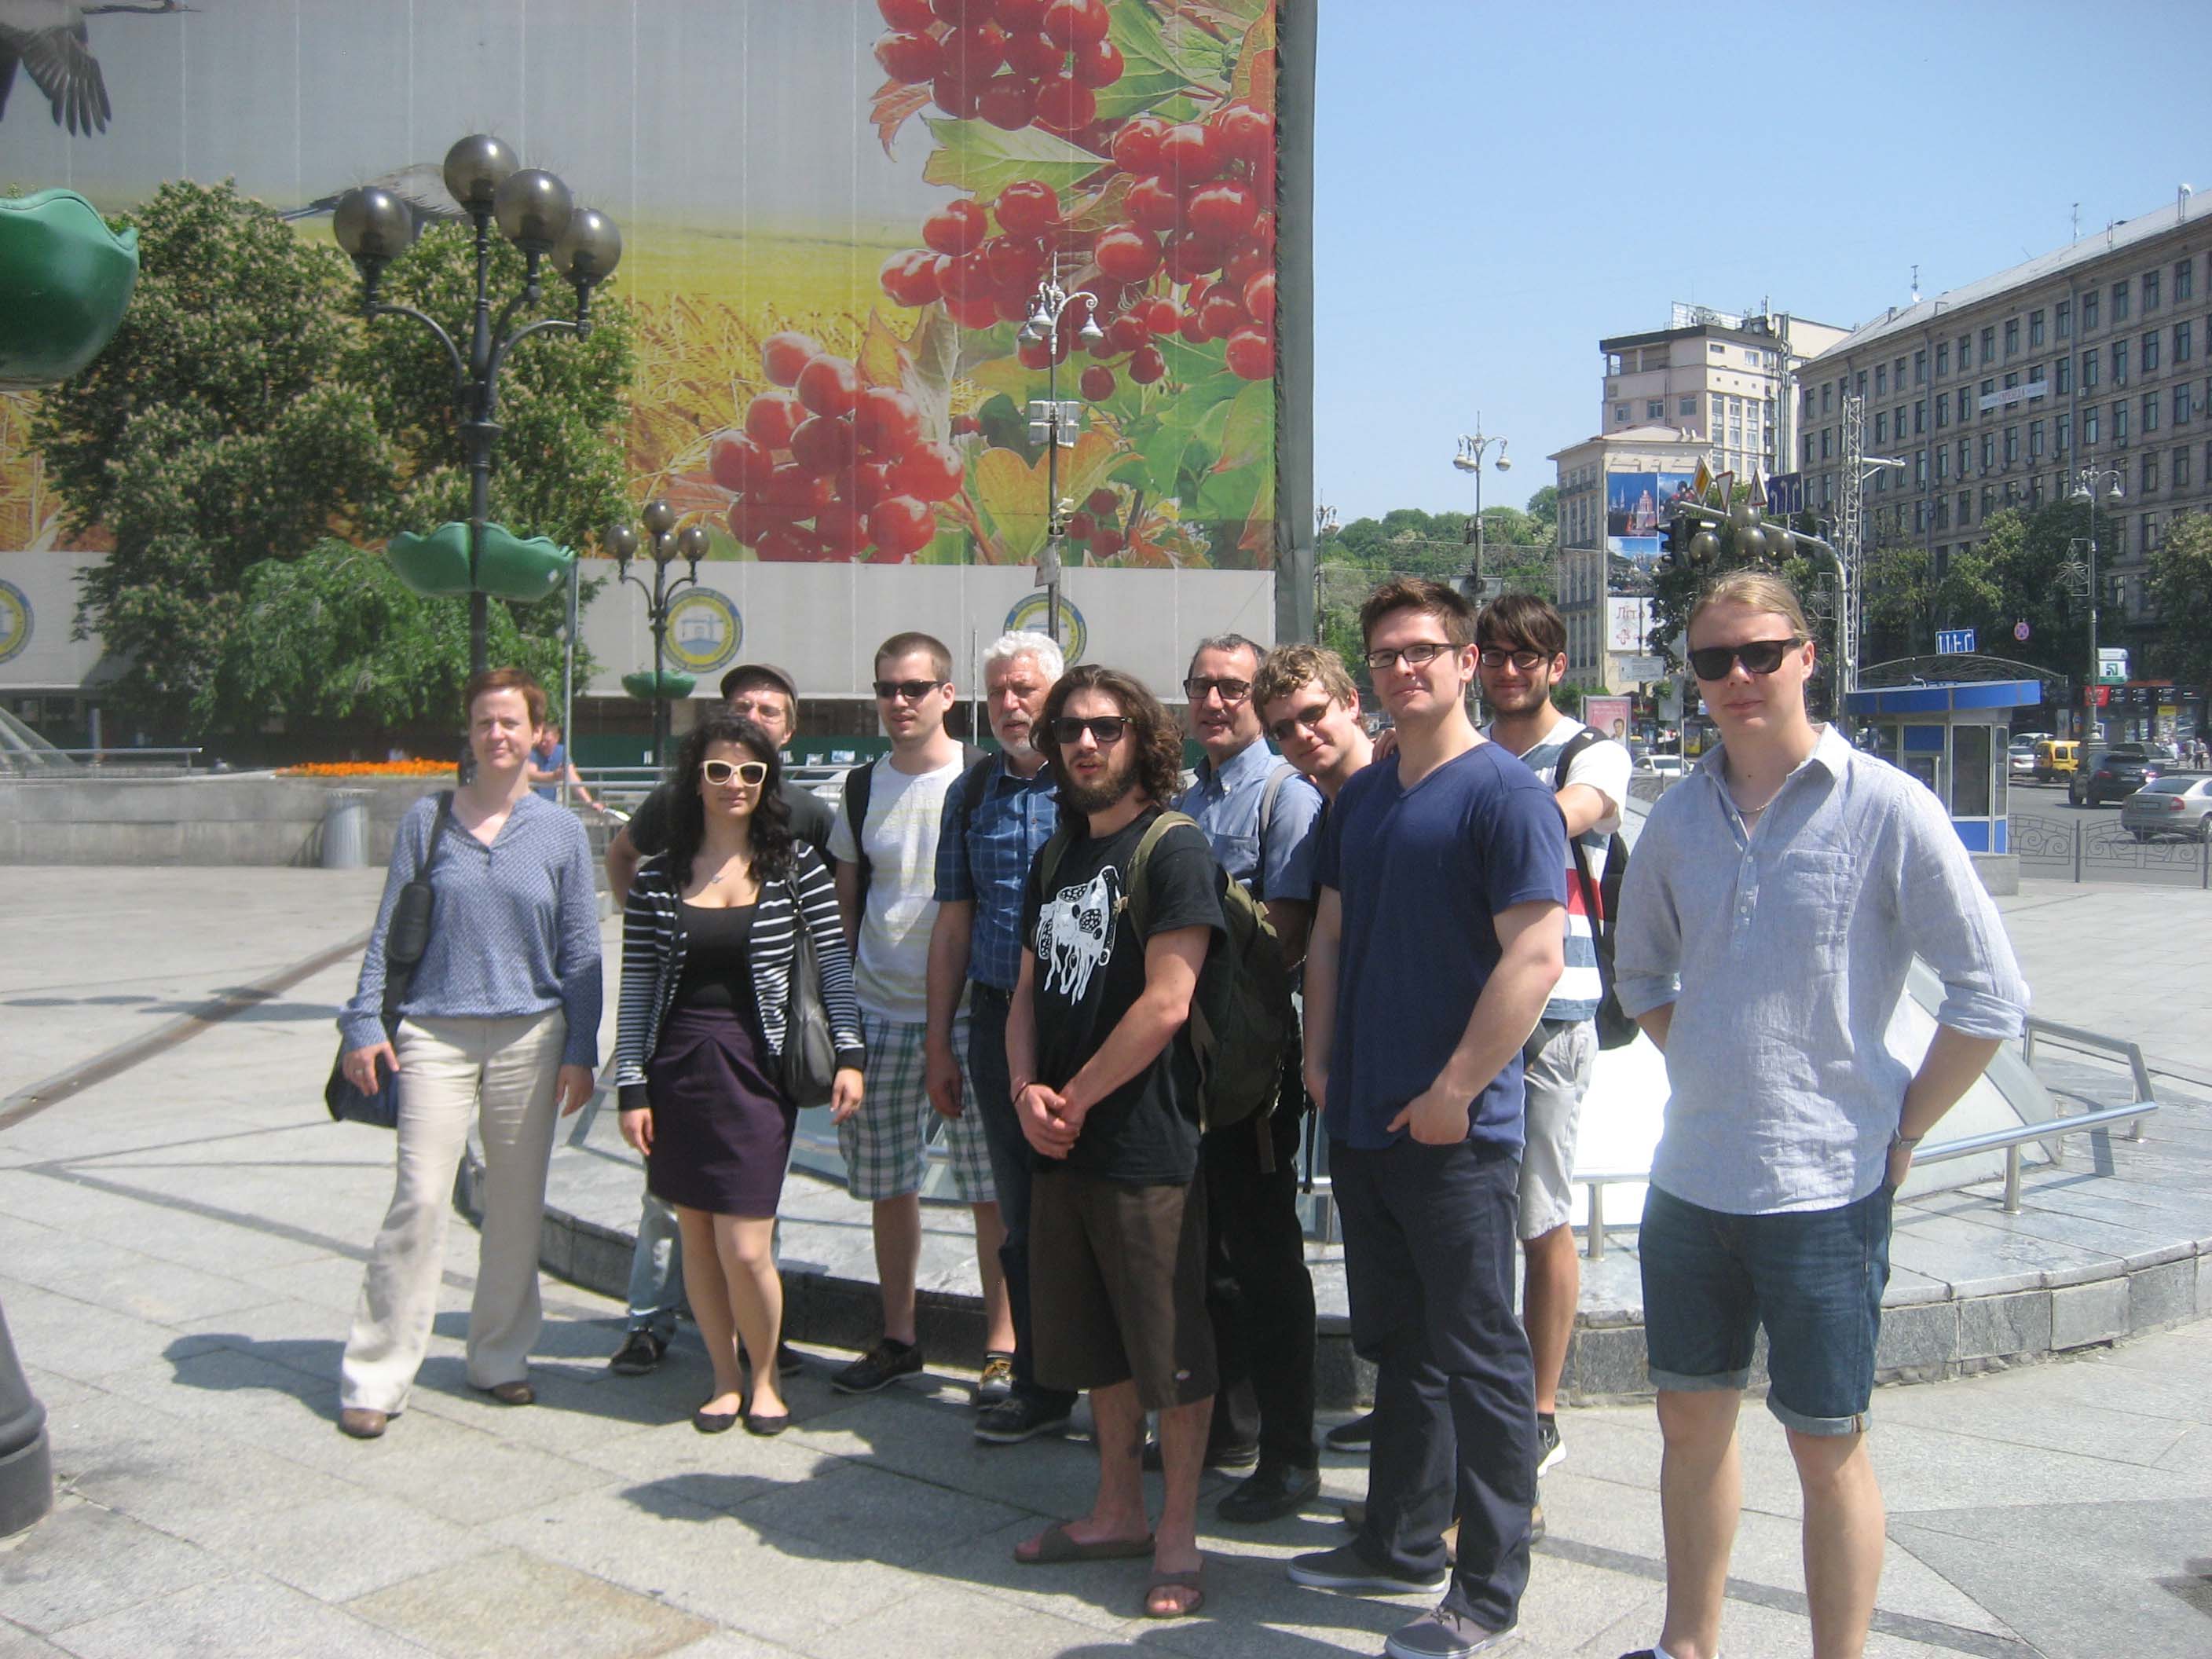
(1090, 971)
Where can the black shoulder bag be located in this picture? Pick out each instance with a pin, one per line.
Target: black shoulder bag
(405, 940)
(807, 1067)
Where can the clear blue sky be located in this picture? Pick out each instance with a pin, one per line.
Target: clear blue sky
(1498, 186)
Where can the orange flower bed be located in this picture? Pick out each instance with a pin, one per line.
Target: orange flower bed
(399, 769)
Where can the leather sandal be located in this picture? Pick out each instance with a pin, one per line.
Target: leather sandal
(510, 1394)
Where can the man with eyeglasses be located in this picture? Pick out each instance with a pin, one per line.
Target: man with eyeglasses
(1521, 654)
(1309, 705)
(1259, 814)
(884, 844)
(768, 698)
(1435, 946)
(1106, 1084)
(996, 819)
(1778, 896)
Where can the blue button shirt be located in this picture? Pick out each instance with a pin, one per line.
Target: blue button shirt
(1226, 805)
(985, 860)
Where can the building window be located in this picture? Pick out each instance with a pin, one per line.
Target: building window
(1881, 482)
(2119, 421)
(1961, 452)
(1621, 413)
(1942, 359)
(2147, 474)
(1942, 512)
(2035, 441)
(1920, 367)
(1881, 428)
(2147, 538)
(2062, 319)
(2120, 300)
(2089, 425)
(1989, 500)
(1989, 396)
(1860, 384)
(2062, 434)
(2089, 311)
(2089, 370)
(1989, 450)
(1990, 343)
(1688, 406)
(1654, 408)
(1942, 462)
(2181, 456)
(2034, 329)
(1920, 417)
(2185, 278)
(2065, 375)
(1942, 410)
(1880, 378)
(1920, 469)
(2184, 341)
(2150, 352)
(1919, 517)
(2011, 446)
(2119, 362)
(1965, 352)
(2012, 337)
(1808, 446)
(1716, 350)
(1827, 433)
(2150, 291)
(2181, 405)
(1965, 508)
(2149, 412)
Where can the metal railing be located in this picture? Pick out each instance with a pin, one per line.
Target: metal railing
(63, 765)
(2086, 849)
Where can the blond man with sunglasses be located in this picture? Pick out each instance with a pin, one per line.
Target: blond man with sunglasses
(1777, 895)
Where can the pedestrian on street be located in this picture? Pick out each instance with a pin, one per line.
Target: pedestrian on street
(1437, 943)
(710, 931)
(501, 1023)
(1106, 1080)
(767, 696)
(997, 818)
(1775, 899)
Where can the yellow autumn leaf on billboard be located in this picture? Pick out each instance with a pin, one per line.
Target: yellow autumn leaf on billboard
(1011, 493)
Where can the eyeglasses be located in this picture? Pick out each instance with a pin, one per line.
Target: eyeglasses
(1067, 730)
(752, 774)
(1526, 662)
(1419, 654)
(1714, 662)
(1232, 691)
(912, 690)
(1286, 729)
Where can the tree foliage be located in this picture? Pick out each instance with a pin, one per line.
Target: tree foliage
(2181, 593)
(1520, 548)
(244, 415)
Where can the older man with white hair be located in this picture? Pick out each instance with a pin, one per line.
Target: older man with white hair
(996, 817)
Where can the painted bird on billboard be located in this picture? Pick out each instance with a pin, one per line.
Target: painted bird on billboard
(49, 39)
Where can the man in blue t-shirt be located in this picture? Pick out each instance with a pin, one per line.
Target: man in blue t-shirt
(1437, 941)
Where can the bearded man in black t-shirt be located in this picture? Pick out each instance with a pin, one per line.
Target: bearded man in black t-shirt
(1106, 1087)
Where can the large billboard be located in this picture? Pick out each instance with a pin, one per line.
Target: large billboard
(1639, 508)
(836, 218)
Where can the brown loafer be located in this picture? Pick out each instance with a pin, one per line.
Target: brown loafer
(361, 1422)
(512, 1394)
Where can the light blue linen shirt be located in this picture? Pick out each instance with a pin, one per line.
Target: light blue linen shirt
(1784, 952)
(1226, 805)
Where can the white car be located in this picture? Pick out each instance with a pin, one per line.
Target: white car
(1666, 766)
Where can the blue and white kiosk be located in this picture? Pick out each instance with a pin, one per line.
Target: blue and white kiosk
(1951, 735)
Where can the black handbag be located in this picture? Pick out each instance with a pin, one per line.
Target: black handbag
(809, 1060)
(406, 939)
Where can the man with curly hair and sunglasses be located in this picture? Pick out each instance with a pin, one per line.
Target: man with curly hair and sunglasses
(1106, 1084)
(1777, 895)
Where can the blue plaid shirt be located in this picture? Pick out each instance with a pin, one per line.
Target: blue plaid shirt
(985, 860)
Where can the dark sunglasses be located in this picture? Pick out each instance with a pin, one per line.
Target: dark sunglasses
(912, 690)
(1286, 729)
(1107, 729)
(1232, 691)
(752, 774)
(1714, 662)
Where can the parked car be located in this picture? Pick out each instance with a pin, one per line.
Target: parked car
(2020, 759)
(2114, 773)
(2180, 805)
(2056, 758)
(1667, 766)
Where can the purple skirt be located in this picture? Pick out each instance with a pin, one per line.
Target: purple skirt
(721, 1127)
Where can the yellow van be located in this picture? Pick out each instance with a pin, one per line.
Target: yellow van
(2057, 758)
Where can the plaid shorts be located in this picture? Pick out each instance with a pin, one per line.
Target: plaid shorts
(883, 1141)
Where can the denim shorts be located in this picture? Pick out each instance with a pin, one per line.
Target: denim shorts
(1813, 1278)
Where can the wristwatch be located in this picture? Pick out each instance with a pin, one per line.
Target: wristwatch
(1898, 1138)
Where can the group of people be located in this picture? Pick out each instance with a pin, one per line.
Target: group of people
(1009, 949)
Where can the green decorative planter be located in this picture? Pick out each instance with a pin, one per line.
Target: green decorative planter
(436, 566)
(648, 687)
(65, 281)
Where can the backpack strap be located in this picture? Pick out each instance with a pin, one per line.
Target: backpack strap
(974, 783)
(1283, 773)
(1135, 898)
(1592, 907)
(860, 783)
(1575, 746)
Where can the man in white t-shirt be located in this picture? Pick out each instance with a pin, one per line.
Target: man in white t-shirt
(885, 845)
(1523, 653)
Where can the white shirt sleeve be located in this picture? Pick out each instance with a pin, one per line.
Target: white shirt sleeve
(1603, 766)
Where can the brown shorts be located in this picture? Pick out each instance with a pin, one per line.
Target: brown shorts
(1117, 1287)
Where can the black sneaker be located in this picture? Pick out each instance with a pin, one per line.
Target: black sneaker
(640, 1353)
(1549, 1447)
(879, 1368)
(1346, 1572)
(996, 1385)
(1444, 1634)
(1018, 1417)
(1216, 1457)
(1355, 1435)
(1270, 1492)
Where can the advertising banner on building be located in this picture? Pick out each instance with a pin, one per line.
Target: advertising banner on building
(1639, 506)
(1607, 716)
(835, 227)
(1627, 623)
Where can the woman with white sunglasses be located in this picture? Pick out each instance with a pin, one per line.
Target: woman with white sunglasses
(709, 933)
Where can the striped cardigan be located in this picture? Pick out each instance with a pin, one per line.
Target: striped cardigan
(652, 964)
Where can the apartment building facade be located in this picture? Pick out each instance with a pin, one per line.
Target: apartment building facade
(1615, 491)
(1723, 379)
(1996, 394)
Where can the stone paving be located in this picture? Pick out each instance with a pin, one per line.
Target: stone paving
(180, 1248)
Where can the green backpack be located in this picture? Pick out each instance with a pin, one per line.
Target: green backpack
(1241, 1019)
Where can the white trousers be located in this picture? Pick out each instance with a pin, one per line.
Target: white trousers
(504, 1072)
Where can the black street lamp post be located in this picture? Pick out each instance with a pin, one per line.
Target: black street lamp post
(534, 210)
(668, 544)
(1050, 302)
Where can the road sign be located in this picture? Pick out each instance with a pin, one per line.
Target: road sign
(2020, 632)
(2112, 665)
(1785, 494)
(1954, 641)
(1643, 669)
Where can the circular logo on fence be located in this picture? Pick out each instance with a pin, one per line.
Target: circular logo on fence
(1029, 614)
(15, 621)
(704, 631)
